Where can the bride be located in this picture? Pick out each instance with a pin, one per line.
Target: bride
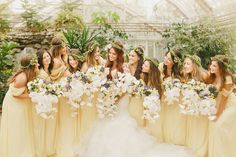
(121, 136)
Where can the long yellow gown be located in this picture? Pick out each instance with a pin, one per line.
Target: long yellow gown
(156, 128)
(174, 123)
(222, 139)
(16, 139)
(67, 129)
(197, 135)
(88, 116)
(44, 130)
(136, 109)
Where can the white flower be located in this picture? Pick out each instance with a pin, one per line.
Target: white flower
(108, 47)
(172, 90)
(152, 106)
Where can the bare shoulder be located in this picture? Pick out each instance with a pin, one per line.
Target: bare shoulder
(84, 67)
(20, 80)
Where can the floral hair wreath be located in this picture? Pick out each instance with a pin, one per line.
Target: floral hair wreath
(80, 57)
(92, 47)
(195, 59)
(139, 51)
(222, 59)
(109, 46)
(177, 59)
(58, 45)
(33, 61)
(154, 61)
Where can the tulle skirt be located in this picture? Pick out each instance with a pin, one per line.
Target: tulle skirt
(122, 137)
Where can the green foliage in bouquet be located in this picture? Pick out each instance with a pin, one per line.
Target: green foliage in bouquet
(31, 19)
(6, 66)
(203, 39)
(68, 18)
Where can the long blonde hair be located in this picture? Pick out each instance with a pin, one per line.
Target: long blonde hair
(26, 67)
(196, 74)
(91, 50)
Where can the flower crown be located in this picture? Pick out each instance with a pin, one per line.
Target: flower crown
(33, 61)
(81, 58)
(195, 59)
(109, 46)
(177, 59)
(139, 51)
(154, 61)
(92, 47)
(58, 45)
(222, 59)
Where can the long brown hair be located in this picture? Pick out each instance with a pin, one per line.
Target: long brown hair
(26, 67)
(40, 59)
(57, 45)
(153, 78)
(118, 48)
(223, 72)
(175, 70)
(139, 51)
(75, 57)
(91, 49)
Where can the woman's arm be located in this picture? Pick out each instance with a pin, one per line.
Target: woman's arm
(20, 82)
(84, 67)
(226, 91)
(22, 96)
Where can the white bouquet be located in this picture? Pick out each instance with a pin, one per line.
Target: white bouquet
(172, 88)
(107, 98)
(151, 104)
(45, 96)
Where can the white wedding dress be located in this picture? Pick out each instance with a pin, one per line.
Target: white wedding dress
(121, 137)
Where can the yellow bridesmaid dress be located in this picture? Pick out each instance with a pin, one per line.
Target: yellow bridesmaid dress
(16, 139)
(197, 134)
(88, 116)
(222, 139)
(67, 124)
(156, 128)
(174, 123)
(44, 130)
(136, 109)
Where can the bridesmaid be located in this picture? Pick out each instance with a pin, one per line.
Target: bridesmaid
(152, 77)
(75, 66)
(73, 61)
(89, 113)
(67, 125)
(93, 57)
(222, 139)
(197, 126)
(115, 60)
(174, 123)
(16, 136)
(44, 131)
(134, 67)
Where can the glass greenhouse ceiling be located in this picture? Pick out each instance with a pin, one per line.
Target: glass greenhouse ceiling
(148, 10)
